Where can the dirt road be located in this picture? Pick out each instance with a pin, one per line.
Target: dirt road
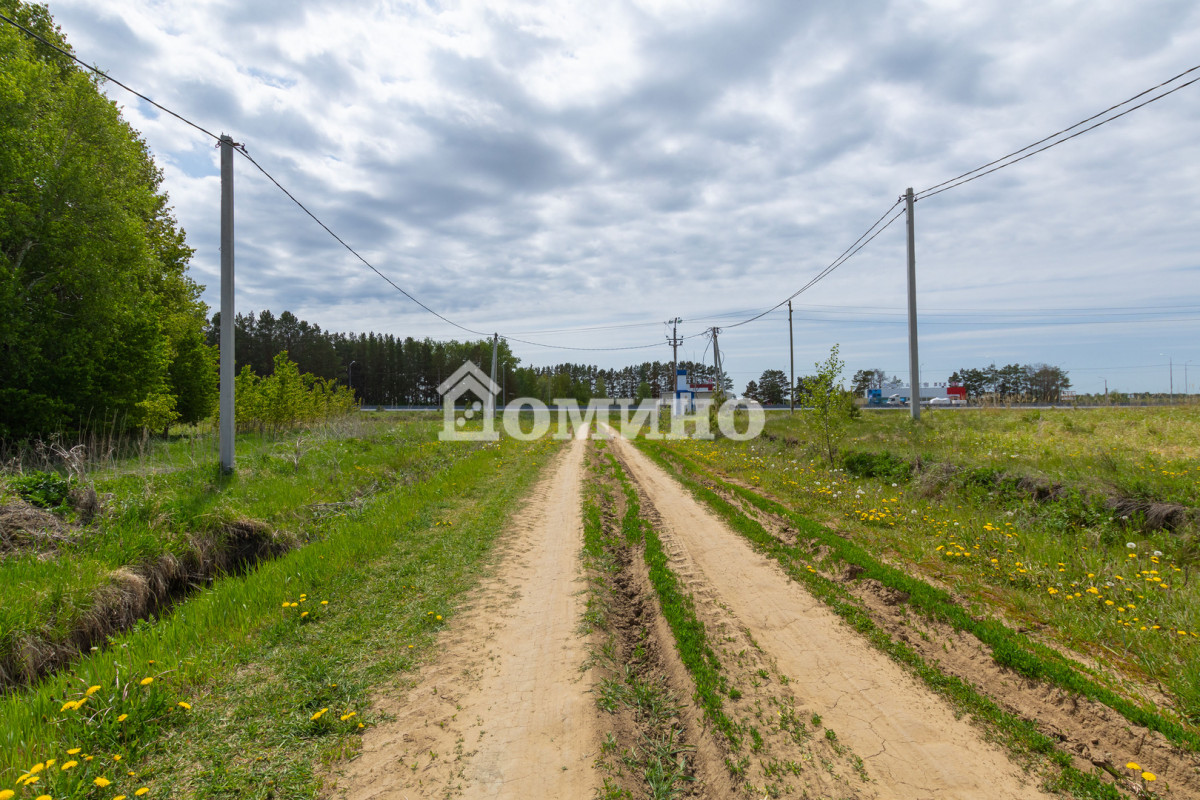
(508, 710)
(911, 742)
(505, 711)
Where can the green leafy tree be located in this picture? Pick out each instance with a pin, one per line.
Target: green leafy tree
(287, 398)
(752, 391)
(832, 406)
(92, 264)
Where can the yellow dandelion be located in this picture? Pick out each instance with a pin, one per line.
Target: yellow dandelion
(6, 794)
(146, 681)
(324, 602)
(348, 716)
(92, 690)
(102, 781)
(286, 604)
(1132, 765)
(68, 765)
(43, 797)
(122, 718)
(74, 751)
(119, 797)
(1149, 776)
(184, 706)
(141, 792)
(36, 768)
(303, 614)
(70, 705)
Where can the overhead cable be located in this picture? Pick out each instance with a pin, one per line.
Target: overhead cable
(107, 77)
(1004, 161)
(846, 255)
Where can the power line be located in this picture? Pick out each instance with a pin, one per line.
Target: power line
(107, 77)
(241, 149)
(1003, 161)
(846, 255)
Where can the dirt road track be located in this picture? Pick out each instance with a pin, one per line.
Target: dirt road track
(908, 737)
(505, 711)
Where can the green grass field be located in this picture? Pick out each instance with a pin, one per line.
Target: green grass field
(1048, 516)
(1076, 529)
(248, 684)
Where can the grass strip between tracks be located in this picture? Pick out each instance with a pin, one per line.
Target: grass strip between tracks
(658, 757)
(679, 610)
(1021, 736)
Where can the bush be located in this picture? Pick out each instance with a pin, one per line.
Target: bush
(287, 398)
(42, 489)
(884, 466)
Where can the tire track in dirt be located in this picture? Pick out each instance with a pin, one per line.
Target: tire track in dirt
(909, 738)
(505, 711)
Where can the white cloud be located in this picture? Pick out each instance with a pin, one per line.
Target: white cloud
(537, 166)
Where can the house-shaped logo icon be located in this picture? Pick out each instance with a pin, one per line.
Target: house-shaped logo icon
(468, 379)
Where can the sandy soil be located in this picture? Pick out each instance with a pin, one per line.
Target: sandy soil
(505, 711)
(911, 742)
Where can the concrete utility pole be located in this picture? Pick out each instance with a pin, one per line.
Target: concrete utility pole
(491, 410)
(1171, 376)
(720, 387)
(675, 362)
(914, 366)
(225, 408)
(791, 359)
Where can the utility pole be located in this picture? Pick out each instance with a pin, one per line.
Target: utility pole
(225, 408)
(675, 342)
(1171, 375)
(792, 359)
(914, 366)
(491, 410)
(720, 387)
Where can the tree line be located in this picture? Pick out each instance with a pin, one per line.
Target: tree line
(1039, 383)
(384, 369)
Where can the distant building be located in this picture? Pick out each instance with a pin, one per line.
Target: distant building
(687, 393)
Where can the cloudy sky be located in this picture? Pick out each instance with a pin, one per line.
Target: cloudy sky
(576, 173)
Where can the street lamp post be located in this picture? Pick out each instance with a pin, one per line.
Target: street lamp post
(1105, 389)
(350, 375)
(1186, 391)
